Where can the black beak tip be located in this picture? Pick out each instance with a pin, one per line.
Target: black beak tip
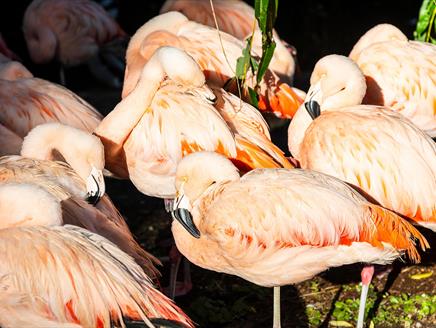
(92, 199)
(185, 219)
(313, 108)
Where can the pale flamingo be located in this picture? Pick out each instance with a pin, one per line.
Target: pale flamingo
(216, 53)
(26, 102)
(400, 74)
(68, 274)
(75, 32)
(73, 185)
(13, 70)
(236, 18)
(369, 146)
(172, 112)
(275, 227)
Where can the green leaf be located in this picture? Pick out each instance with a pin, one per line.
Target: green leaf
(253, 97)
(265, 60)
(426, 24)
(243, 63)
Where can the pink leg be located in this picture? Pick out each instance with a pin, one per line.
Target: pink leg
(175, 287)
(367, 273)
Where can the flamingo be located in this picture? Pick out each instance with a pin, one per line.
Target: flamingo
(172, 112)
(275, 227)
(371, 147)
(237, 18)
(73, 185)
(400, 74)
(67, 274)
(26, 102)
(215, 52)
(75, 32)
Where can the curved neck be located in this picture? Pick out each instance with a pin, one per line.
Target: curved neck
(117, 125)
(296, 131)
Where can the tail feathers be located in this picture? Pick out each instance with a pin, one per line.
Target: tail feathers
(392, 229)
(250, 156)
(283, 102)
(82, 214)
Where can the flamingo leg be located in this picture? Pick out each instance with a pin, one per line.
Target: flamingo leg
(367, 273)
(62, 75)
(176, 288)
(276, 307)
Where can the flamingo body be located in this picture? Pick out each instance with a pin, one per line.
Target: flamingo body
(276, 226)
(164, 119)
(204, 45)
(78, 277)
(236, 18)
(372, 147)
(73, 31)
(400, 74)
(28, 102)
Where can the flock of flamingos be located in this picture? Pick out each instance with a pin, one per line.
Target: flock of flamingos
(361, 177)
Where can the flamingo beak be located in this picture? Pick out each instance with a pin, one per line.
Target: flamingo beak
(95, 186)
(313, 108)
(181, 213)
(312, 105)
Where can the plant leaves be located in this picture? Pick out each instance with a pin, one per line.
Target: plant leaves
(243, 63)
(265, 60)
(420, 276)
(426, 24)
(253, 97)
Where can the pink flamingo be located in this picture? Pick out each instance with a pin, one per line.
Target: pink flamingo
(73, 183)
(275, 227)
(75, 32)
(237, 18)
(400, 74)
(216, 53)
(67, 274)
(371, 147)
(26, 101)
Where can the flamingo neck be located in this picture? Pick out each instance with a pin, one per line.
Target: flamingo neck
(297, 130)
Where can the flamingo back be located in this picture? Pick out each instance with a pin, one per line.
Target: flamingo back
(402, 76)
(381, 152)
(83, 278)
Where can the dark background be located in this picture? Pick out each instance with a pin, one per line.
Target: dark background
(315, 27)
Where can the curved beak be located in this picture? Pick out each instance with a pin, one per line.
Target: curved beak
(311, 103)
(181, 213)
(95, 186)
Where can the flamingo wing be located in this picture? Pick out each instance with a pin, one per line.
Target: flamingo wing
(402, 75)
(233, 17)
(84, 278)
(293, 224)
(379, 151)
(11, 142)
(30, 102)
(177, 123)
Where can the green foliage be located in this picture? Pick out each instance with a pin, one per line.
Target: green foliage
(314, 315)
(266, 14)
(426, 26)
